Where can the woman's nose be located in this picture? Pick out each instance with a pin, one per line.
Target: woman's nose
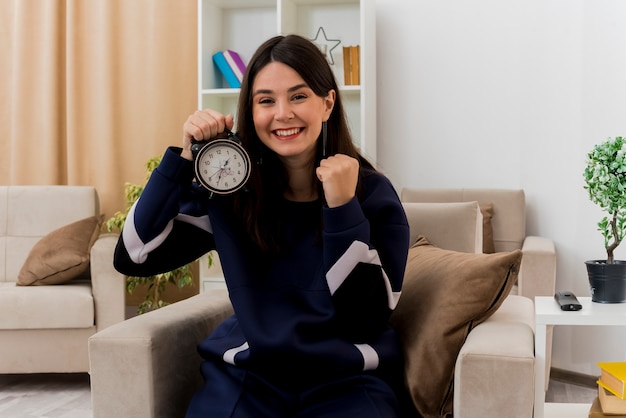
(283, 112)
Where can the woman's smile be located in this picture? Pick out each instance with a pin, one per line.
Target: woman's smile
(287, 134)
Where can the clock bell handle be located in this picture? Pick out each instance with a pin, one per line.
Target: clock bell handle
(196, 146)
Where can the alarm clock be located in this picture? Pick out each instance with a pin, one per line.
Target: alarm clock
(221, 165)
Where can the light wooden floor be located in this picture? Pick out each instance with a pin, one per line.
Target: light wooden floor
(67, 395)
(45, 396)
(562, 392)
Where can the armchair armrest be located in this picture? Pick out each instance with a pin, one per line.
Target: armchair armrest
(494, 352)
(148, 366)
(107, 284)
(537, 276)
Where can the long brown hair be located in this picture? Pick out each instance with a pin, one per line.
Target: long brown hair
(268, 180)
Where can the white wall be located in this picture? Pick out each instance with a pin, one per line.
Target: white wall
(492, 93)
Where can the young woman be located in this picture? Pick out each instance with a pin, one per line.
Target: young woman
(313, 250)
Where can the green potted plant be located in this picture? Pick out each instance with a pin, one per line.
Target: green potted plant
(156, 284)
(605, 182)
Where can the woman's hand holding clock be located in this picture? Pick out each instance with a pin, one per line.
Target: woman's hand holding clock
(203, 125)
(221, 164)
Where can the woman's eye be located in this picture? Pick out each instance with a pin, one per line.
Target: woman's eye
(266, 101)
(299, 96)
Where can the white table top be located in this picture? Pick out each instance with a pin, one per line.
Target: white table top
(548, 312)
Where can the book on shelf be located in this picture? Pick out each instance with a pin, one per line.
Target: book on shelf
(610, 403)
(613, 377)
(347, 71)
(227, 72)
(596, 411)
(236, 63)
(351, 65)
(355, 60)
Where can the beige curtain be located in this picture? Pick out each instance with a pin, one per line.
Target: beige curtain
(91, 89)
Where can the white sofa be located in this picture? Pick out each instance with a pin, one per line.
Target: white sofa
(45, 328)
(137, 371)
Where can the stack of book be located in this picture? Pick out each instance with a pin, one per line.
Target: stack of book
(231, 66)
(611, 399)
(351, 60)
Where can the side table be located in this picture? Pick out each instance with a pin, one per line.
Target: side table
(548, 312)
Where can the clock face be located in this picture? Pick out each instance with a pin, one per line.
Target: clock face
(222, 166)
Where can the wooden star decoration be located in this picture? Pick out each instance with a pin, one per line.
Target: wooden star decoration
(323, 45)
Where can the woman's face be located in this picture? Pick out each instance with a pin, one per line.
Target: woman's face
(287, 114)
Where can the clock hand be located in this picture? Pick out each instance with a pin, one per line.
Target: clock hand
(218, 173)
(220, 170)
(227, 168)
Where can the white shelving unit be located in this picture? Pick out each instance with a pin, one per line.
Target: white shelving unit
(242, 25)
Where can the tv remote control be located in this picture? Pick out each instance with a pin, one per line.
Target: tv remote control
(567, 301)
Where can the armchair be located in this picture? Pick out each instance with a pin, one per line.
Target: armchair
(148, 366)
(504, 222)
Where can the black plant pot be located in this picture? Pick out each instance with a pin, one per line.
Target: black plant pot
(607, 281)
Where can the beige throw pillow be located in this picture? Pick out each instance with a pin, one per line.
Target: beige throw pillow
(444, 296)
(62, 255)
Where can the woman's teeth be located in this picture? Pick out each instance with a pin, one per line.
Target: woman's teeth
(287, 132)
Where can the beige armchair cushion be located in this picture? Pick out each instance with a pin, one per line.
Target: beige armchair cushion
(445, 295)
(455, 226)
(62, 255)
(509, 218)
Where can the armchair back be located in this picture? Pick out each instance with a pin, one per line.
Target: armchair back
(509, 219)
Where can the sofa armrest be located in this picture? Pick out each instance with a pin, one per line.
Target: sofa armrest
(148, 366)
(494, 352)
(108, 285)
(537, 276)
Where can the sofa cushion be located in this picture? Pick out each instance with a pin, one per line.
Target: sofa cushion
(61, 255)
(455, 225)
(445, 294)
(46, 307)
(509, 221)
